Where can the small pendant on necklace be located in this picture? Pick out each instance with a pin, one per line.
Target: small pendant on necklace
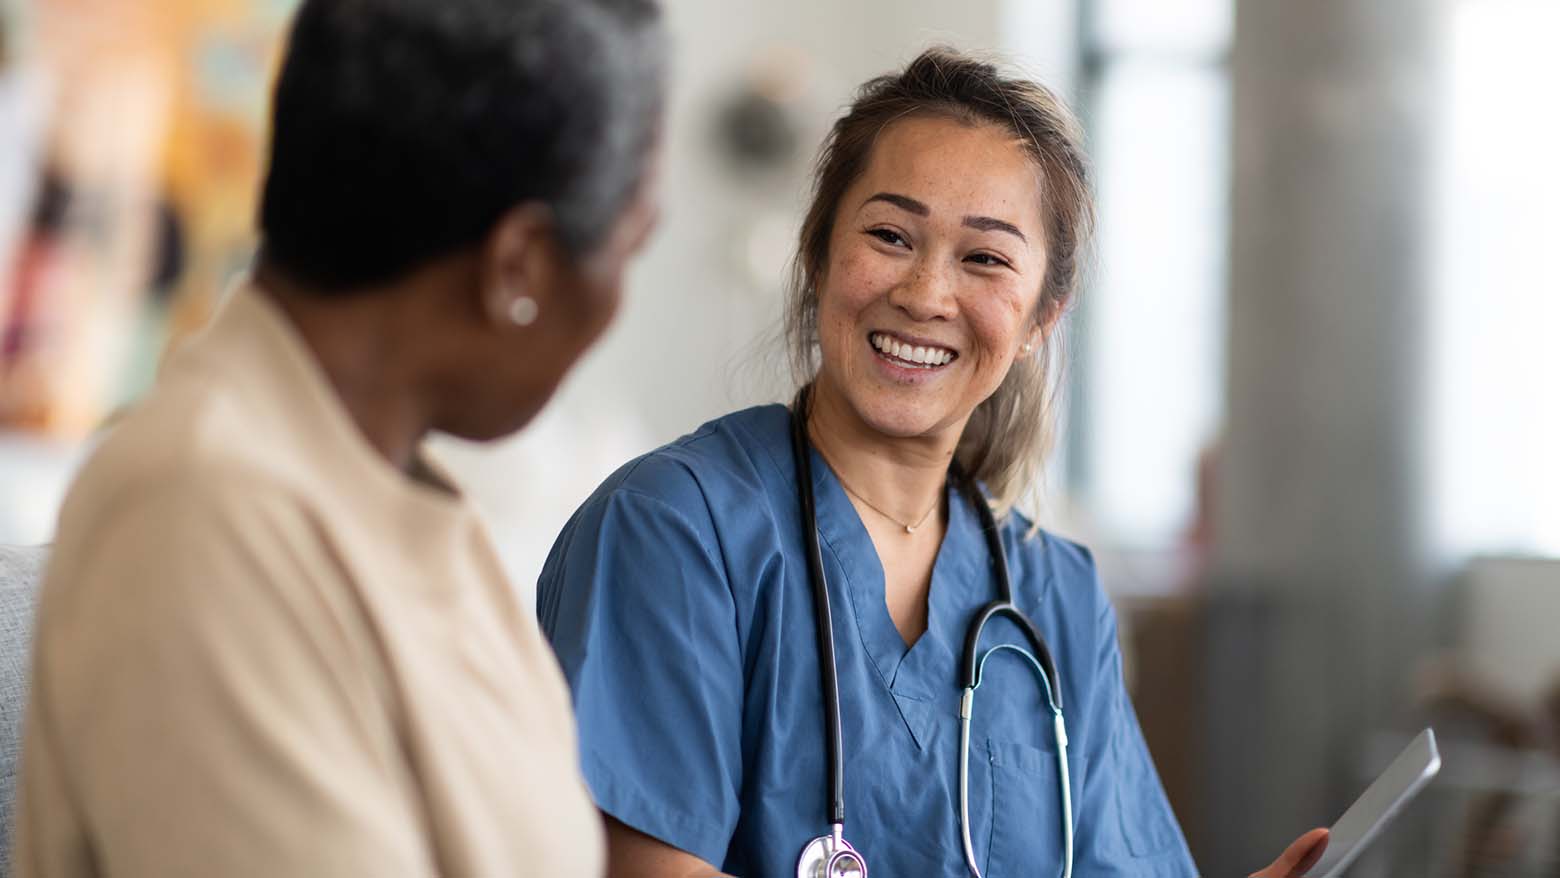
(909, 529)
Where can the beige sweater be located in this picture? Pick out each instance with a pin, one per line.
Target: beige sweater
(263, 651)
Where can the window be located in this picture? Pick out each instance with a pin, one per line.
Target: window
(1495, 303)
(1148, 357)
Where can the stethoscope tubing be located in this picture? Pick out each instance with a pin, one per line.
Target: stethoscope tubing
(1058, 728)
(825, 619)
(972, 666)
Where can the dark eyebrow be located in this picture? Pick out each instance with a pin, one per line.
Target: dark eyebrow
(991, 224)
(903, 202)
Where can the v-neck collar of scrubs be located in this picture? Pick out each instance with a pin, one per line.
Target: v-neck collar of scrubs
(928, 667)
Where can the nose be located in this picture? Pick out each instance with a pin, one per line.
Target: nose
(926, 293)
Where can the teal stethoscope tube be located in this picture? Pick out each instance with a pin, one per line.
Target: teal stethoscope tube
(830, 856)
(1059, 727)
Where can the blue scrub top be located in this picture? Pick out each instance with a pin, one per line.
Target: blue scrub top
(679, 604)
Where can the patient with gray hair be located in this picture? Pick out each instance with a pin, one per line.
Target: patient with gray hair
(273, 638)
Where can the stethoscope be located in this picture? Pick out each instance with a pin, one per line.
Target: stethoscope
(831, 856)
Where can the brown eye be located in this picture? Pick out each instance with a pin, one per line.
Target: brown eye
(988, 259)
(888, 236)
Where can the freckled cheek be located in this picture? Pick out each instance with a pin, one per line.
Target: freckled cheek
(857, 277)
(839, 309)
(996, 321)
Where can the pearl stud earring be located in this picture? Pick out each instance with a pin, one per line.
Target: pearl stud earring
(523, 311)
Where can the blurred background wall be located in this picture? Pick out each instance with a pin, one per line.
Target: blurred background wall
(1311, 418)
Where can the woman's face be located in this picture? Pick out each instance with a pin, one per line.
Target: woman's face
(935, 266)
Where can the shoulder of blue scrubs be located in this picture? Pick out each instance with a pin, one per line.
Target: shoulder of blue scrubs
(1047, 567)
(1124, 821)
(637, 598)
(714, 469)
(712, 466)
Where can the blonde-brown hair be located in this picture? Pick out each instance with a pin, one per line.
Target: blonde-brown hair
(1007, 438)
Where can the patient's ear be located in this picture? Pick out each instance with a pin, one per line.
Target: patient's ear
(519, 267)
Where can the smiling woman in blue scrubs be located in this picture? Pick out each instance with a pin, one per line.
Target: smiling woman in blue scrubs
(941, 247)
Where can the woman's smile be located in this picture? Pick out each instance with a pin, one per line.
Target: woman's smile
(916, 356)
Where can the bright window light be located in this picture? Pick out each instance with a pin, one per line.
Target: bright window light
(1495, 360)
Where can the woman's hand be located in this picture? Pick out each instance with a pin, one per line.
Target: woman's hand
(1298, 858)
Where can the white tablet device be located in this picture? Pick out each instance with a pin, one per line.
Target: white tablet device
(1373, 810)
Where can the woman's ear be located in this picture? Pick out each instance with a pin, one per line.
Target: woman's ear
(1032, 342)
(1046, 315)
(1050, 312)
(516, 274)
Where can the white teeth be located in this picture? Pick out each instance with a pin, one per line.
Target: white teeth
(909, 353)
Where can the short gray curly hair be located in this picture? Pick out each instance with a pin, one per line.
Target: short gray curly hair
(404, 129)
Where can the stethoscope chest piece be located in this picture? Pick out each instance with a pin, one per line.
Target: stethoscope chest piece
(829, 856)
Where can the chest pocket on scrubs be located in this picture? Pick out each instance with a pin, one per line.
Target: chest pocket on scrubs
(1026, 809)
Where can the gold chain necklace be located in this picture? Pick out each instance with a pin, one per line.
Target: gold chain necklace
(909, 528)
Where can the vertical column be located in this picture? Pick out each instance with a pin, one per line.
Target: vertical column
(1317, 581)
